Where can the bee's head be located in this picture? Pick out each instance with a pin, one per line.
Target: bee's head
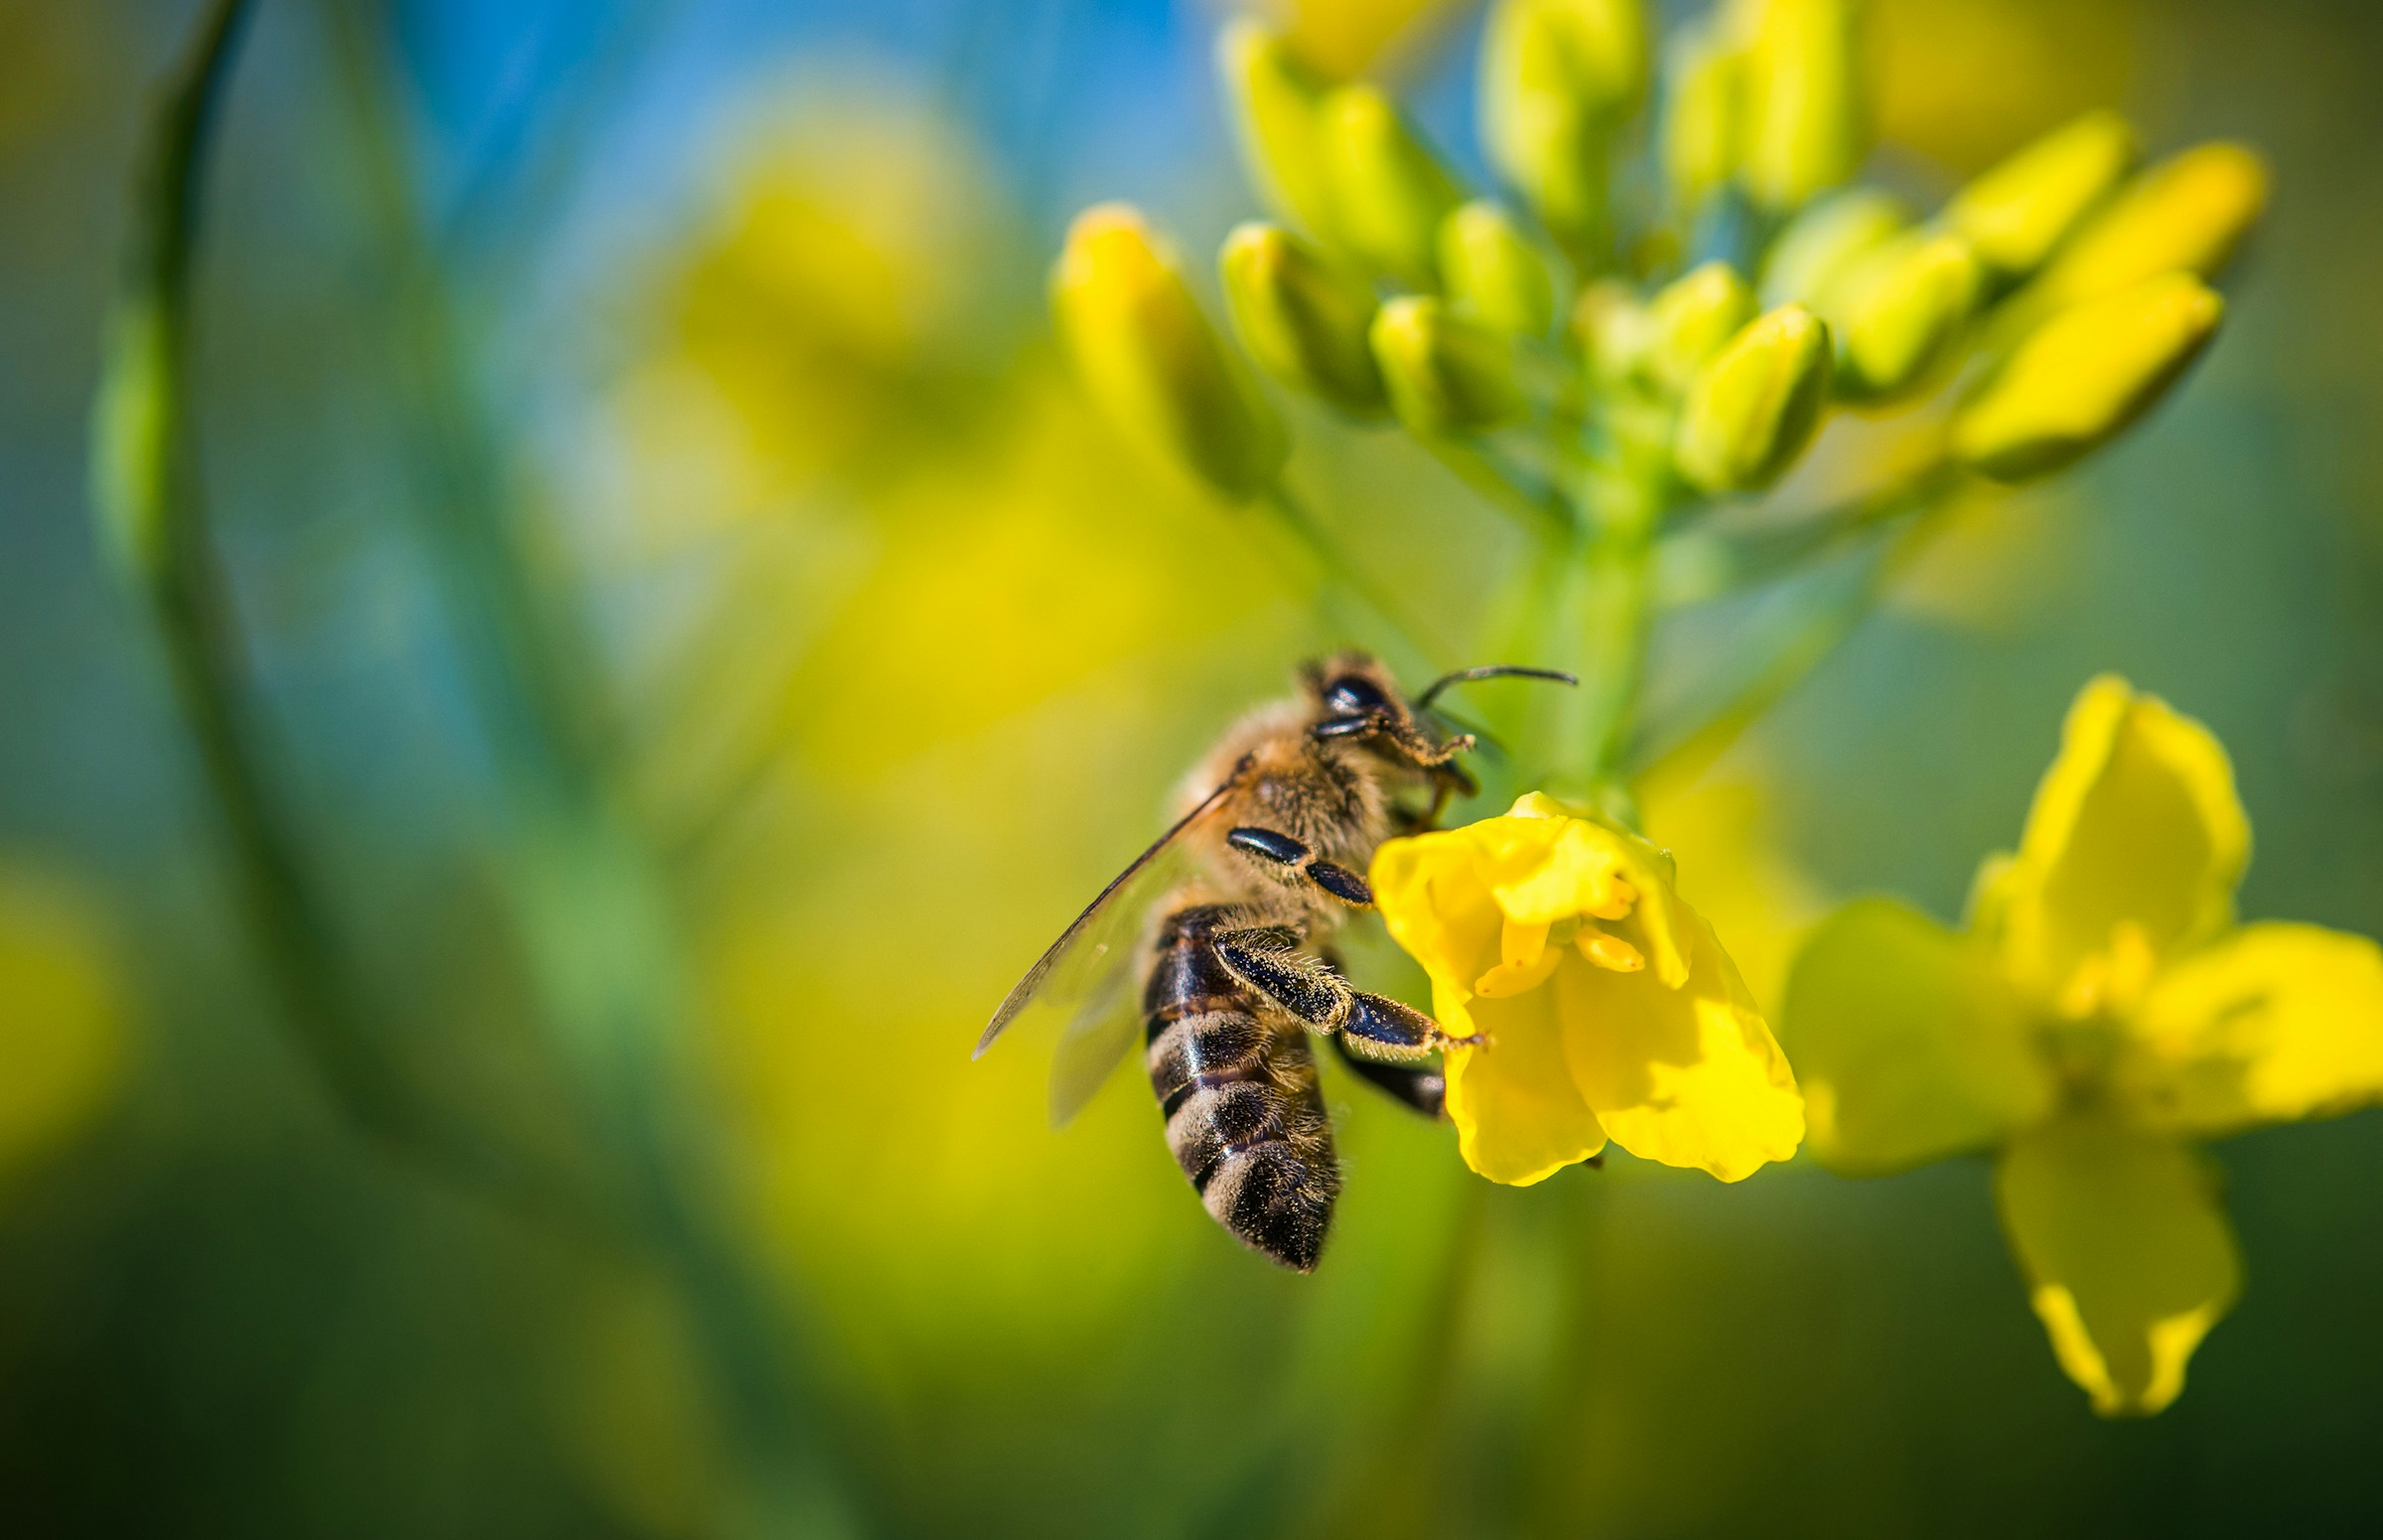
(1356, 700)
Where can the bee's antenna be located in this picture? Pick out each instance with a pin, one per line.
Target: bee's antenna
(1424, 701)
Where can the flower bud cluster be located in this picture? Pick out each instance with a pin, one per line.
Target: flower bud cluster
(2060, 294)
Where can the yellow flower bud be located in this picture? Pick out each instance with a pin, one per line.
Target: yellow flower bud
(1301, 317)
(1150, 358)
(1446, 374)
(1557, 78)
(1756, 404)
(1900, 311)
(2014, 215)
(2086, 375)
(1272, 100)
(1495, 275)
(1703, 105)
(1822, 241)
(1693, 319)
(2187, 212)
(1389, 192)
(1804, 128)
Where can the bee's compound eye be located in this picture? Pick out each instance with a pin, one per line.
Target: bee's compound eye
(1355, 695)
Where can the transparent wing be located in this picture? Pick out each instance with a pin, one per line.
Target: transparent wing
(1103, 1029)
(1091, 955)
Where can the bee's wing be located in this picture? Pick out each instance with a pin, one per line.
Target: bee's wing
(1103, 1029)
(1097, 945)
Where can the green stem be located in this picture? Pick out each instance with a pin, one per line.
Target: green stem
(1595, 610)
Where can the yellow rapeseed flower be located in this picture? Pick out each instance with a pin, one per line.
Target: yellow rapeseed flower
(1610, 1009)
(2103, 1011)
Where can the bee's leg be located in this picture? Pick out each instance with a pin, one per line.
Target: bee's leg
(1420, 1086)
(1380, 1028)
(1375, 1026)
(1272, 845)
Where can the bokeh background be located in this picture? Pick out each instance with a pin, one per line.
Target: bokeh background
(728, 316)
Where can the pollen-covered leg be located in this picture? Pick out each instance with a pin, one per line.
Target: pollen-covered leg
(1379, 1028)
(1292, 981)
(1310, 991)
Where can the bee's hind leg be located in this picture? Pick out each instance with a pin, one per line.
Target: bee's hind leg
(1373, 1026)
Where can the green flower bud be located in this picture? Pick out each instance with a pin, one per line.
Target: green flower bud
(1694, 318)
(1557, 78)
(1303, 318)
(2015, 215)
(1703, 108)
(1820, 243)
(1900, 313)
(2086, 375)
(1755, 406)
(1150, 360)
(1446, 374)
(1389, 193)
(1495, 275)
(1272, 100)
(2189, 213)
(1805, 125)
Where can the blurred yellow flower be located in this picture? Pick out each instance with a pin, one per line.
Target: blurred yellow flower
(1608, 1007)
(62, 1030)
(2102, 1012)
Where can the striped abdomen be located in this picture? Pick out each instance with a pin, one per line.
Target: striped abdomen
(1244, 1113)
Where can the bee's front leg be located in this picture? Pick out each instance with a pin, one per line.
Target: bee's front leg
(1373, 1027)
(1276, 848)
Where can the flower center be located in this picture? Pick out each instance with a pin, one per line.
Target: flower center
(1528, 954)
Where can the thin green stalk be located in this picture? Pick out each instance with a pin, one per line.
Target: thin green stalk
(1596, 611)
(148, 497)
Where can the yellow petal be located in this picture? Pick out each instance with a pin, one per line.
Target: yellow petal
(1908, 1043)
(2136, 825)
(2128, 1257)
(1437, 906)
(1520, 1118)
(2269, 1024)
(1688, 1077)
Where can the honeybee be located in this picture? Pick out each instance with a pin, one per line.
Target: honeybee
(1232, 909)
